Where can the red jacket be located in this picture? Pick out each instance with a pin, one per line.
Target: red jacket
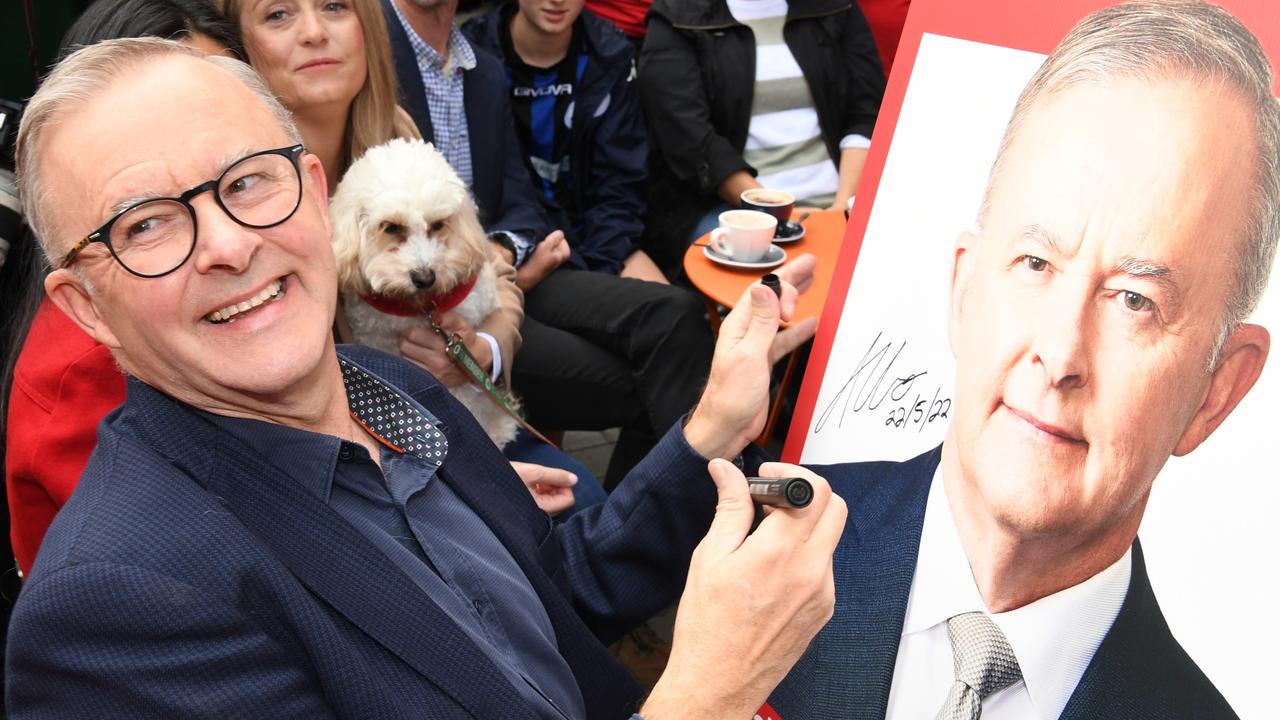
(63, 384)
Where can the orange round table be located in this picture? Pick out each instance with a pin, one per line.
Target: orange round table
(722, 284)
(823, 233)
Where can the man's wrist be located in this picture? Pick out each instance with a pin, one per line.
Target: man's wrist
(514, 243)
(709, 438)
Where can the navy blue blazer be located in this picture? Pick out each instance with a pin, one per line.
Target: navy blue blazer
(188, 577)
(1139, 672)
(500, 177)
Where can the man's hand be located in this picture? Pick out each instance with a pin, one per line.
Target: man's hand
(735, 403)
(424, 346)
(552, 488)
(547, 256)
(752, 603)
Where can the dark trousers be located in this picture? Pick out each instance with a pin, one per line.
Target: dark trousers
(600, 351)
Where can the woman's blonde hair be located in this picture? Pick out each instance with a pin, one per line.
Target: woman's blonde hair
(375, 117)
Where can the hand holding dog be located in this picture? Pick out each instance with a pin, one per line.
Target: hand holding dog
(425, 347)
(547, 256)
(735, 403)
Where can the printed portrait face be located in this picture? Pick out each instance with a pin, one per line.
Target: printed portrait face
(1085, 310)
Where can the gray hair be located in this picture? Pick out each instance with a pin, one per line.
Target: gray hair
(79, 79)
(1158, 39)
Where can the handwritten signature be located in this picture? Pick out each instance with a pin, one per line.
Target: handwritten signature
(871, 385)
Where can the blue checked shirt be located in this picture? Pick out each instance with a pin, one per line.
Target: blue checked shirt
(442, 79)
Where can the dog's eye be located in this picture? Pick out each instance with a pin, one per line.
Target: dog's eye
(393, 229)
(436, 226)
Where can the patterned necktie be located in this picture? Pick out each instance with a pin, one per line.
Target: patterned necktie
(984, 664)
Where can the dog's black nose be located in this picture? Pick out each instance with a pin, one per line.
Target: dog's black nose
(423, 279)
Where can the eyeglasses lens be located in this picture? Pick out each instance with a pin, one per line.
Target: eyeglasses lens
(157, 236)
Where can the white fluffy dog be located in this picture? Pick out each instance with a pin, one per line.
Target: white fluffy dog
(408, 241)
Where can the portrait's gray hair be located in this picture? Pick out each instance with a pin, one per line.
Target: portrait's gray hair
(76, 81)
(1164, 39)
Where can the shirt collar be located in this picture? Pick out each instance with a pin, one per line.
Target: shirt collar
(1054, 638)
(460, 52)
(399, 422)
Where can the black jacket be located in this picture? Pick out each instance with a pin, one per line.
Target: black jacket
(499, 180)
(608, 147)
(697, 77)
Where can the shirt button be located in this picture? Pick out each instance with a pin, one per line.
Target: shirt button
(344, 454)
(478, 606)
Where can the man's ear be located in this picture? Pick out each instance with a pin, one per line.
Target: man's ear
(67, 291)
(1243, 356)
(961, 272)
(318, 185)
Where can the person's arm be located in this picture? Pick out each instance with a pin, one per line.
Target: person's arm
(852, 160)
(105, 640)
(625, 559)
(519, 211)
(503, 324)
(679, 116)
(613, 212)
(753, 601)
(733, 186)
(864, 78)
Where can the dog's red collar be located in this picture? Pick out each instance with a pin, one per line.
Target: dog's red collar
(443, 302)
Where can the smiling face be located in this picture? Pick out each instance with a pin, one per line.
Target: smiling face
(1084, 315)
(172, 331)
(551, 17)
(311, 54)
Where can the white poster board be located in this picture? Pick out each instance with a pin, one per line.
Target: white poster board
(1212, 529)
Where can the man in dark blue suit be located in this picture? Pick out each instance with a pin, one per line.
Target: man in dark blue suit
(1097, 320)
(275, 527)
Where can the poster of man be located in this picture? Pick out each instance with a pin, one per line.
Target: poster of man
(1053, 298)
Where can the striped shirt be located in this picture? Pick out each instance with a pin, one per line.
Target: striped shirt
(442, 80)
(784, 139)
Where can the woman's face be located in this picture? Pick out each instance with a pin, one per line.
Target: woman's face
(310, 52)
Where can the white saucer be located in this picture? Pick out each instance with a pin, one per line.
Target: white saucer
(773, 257)
(781, 240)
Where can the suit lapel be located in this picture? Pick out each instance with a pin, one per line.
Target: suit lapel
(413, 96)
(501, 501)
(848, 669)
(1110, 687)
(327, 555)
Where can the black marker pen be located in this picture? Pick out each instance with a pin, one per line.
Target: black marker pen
(781, 492)
(772, 282)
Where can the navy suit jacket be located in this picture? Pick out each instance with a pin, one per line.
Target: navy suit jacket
(500, 177)
(1139, 671)
(189, 577)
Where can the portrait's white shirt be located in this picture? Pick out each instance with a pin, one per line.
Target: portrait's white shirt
(1054, 638)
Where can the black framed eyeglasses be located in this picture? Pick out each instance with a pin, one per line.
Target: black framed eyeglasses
(156, 236)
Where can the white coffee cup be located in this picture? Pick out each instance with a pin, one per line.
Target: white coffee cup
(744, 235)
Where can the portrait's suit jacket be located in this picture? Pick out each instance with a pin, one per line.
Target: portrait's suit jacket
(500, 177)
(189, 577)
(1138, 672)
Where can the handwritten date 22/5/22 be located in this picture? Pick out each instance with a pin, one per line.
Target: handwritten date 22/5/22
(872, 389)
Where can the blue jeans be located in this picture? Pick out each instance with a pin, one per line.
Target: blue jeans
(527, 448)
